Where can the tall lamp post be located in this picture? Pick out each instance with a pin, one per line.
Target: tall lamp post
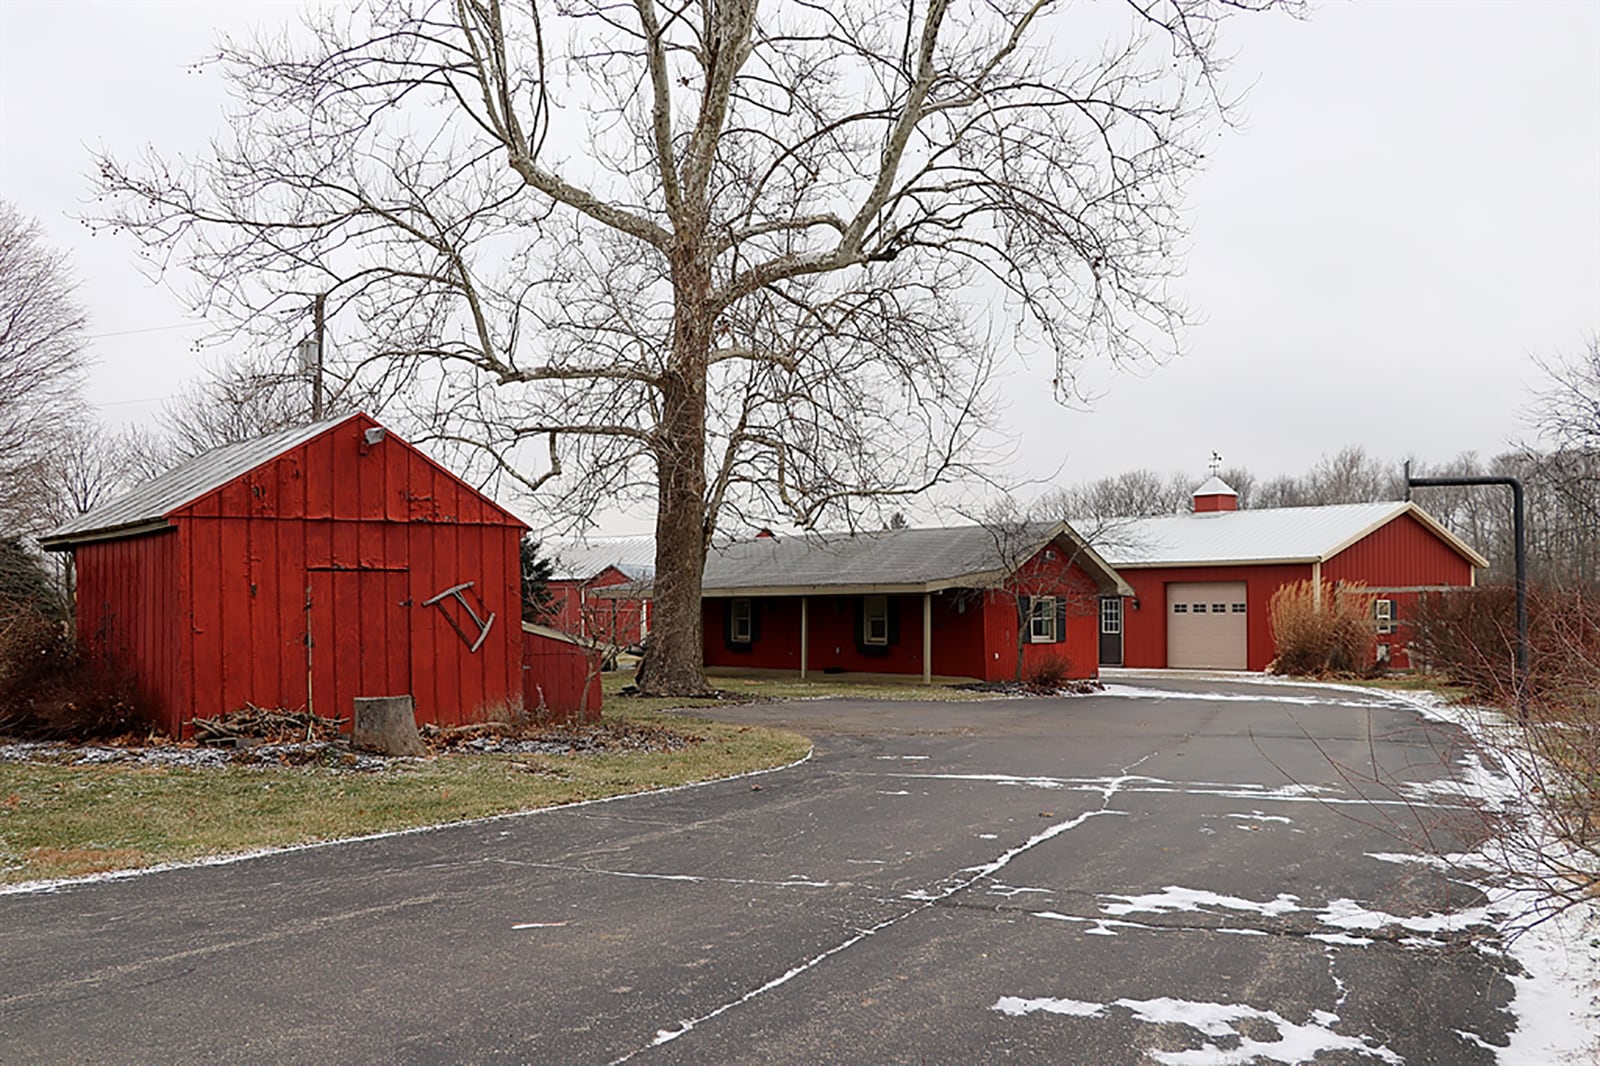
(1521, 679)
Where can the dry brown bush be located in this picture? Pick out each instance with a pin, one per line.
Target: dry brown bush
(1319, 630)
(49, 692)
(1047, 674)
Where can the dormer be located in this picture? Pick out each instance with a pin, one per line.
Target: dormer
(1215, 495)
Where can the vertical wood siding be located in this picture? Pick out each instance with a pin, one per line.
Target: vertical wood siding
(128, 603)
(348, 541)
(560, 680)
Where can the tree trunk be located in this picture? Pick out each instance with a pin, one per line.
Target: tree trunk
(677, 648)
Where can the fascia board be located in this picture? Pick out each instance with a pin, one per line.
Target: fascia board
(1203, 563)
(133, 529)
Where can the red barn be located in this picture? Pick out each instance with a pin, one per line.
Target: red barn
(947, 602)
(301, 570)
(581, 569)
(1202, 581)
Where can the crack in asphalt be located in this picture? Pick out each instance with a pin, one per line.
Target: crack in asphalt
(954, 885)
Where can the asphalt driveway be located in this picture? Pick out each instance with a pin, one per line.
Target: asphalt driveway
(1171, 872)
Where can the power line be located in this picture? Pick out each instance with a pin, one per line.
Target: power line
(146, 329)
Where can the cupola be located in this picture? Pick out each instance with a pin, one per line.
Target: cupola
(1215, 495)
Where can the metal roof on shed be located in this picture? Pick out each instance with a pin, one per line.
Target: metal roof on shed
(581, 560)
(185, 483)
(902, 560)
(1270, 535)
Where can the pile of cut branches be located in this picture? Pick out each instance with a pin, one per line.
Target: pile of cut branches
(270, 726)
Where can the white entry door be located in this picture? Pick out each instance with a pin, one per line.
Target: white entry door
(1206, 625)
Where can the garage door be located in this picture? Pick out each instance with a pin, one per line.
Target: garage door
(1206, 625)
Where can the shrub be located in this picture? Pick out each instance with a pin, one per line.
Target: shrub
(1319, 630)
(1047, 673)
(48, 692)
(1470, 639)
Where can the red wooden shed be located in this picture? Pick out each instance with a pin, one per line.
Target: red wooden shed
(301, 570)
(964, 601)
(1202, 582)
(560, 675)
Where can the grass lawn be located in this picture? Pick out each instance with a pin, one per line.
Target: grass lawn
(63, 821)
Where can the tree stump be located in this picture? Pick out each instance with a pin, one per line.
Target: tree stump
(386, 725)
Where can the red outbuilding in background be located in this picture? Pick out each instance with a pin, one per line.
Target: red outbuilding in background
(301, 570)
(1203, 582)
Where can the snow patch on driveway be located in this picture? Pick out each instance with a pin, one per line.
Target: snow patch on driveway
(1296, 1041)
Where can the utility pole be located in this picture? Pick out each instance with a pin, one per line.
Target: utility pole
(316, 372)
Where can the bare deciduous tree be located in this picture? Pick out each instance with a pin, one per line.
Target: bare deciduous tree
(733, 258)
(42, 359)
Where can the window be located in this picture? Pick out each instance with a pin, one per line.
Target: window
(1219, 608)
(1199, 608)
(1042, 620)
(1111, 615)
(1383, 614)
(1180, 608)
(740, 627)
(1238, 608)
(875, 621)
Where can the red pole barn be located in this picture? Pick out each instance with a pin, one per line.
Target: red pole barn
(302, 570)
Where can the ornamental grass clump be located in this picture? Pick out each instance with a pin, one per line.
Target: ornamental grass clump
(1319, 630)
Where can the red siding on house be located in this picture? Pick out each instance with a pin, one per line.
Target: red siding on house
(1044, 576)
(974, 630)
(128, 597)
(1144, 630)
(346, 539)
(561, 681)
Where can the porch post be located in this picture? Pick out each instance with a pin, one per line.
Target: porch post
(805, 634)
(927, 638)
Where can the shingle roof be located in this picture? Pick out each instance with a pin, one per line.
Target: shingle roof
(185, 483)
(581, 560)
(1270, 535)
(905, 560)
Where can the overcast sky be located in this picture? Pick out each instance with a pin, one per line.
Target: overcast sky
(1408, 214)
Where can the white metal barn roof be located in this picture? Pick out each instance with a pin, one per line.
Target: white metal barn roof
(1271, 535)
(581, 560)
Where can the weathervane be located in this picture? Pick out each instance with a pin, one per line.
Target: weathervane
(1216, 463)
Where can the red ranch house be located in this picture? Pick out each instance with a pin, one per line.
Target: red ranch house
(303, 569)
(924, 602)
(1202, 581)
